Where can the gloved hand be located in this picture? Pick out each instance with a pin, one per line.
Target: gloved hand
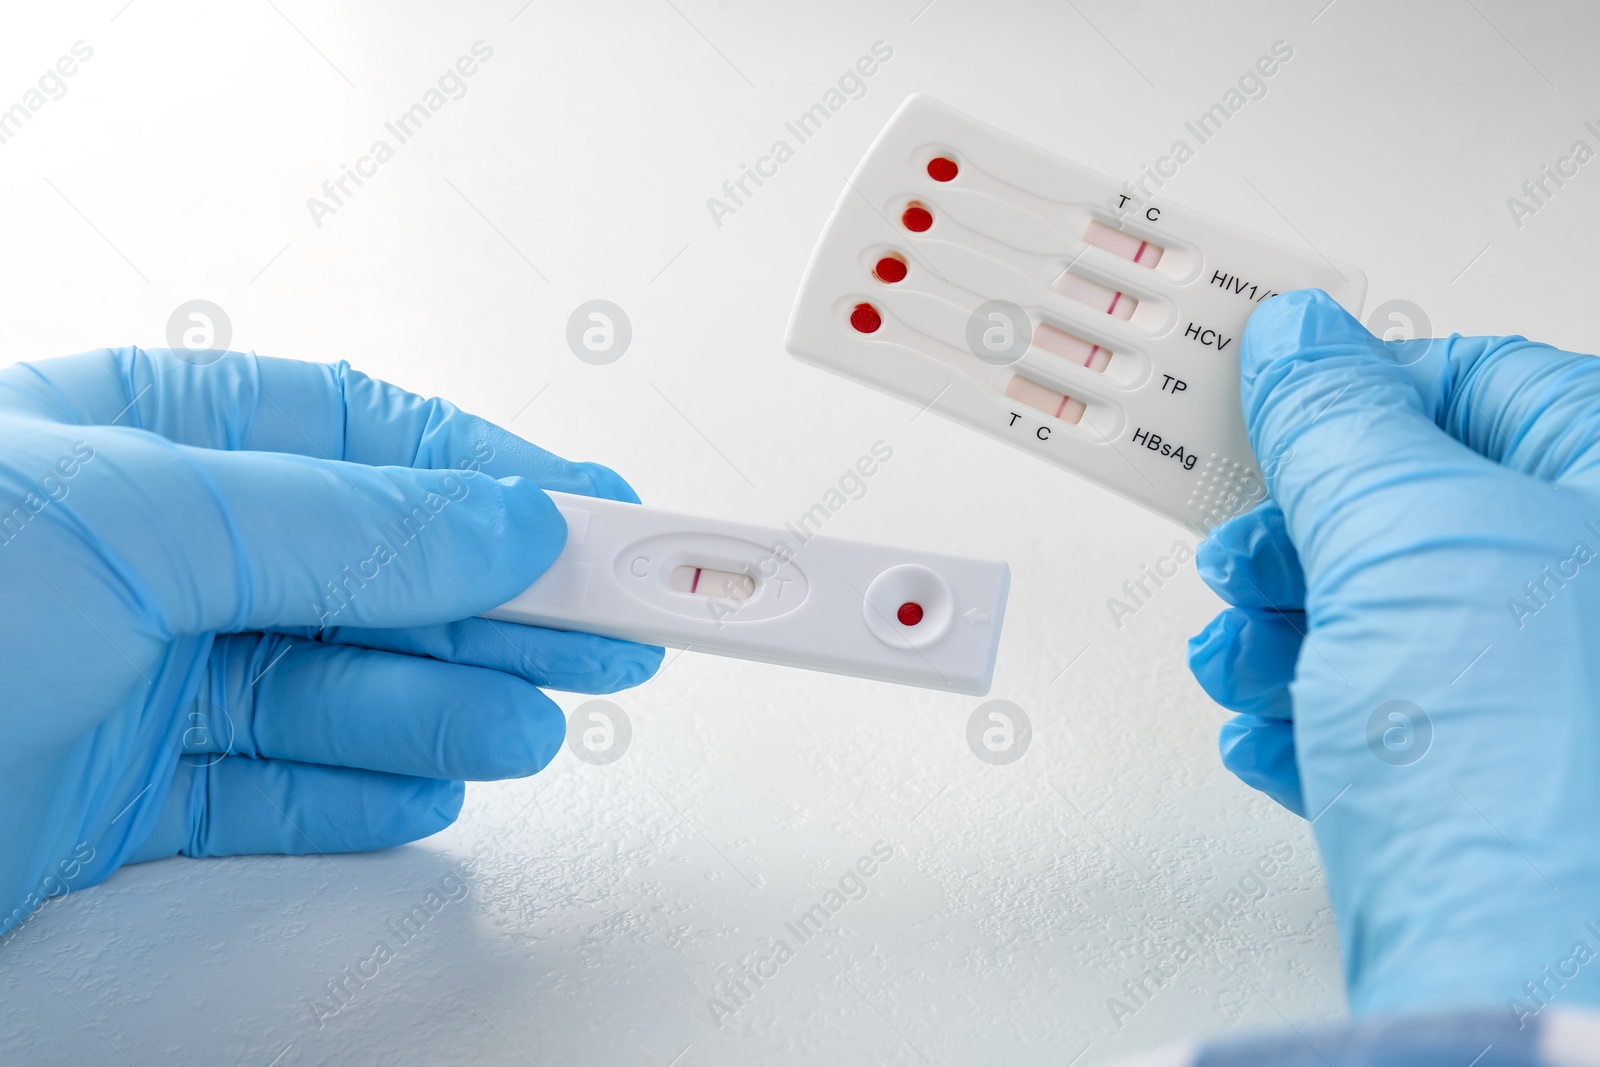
(1412, 649)
(236, 613)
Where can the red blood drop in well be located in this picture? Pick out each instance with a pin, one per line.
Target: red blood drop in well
(910, 613)
(890, 269)
(917, 218)
(865, 318)
(942, 169)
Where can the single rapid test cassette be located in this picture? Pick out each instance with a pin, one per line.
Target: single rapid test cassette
(1078, 318)
(775, 595)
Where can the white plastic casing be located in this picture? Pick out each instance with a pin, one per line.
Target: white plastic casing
(775, 595)
(1013, 231)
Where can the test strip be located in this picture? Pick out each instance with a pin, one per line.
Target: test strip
(1043, 398)
(1126, 245)
(1070, 347)
(707, 581)
(1076, 287)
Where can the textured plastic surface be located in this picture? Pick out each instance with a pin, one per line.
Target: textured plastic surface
(1022, 271)
(777, 595)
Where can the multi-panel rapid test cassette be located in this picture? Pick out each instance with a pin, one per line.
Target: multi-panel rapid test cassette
(1076, 317)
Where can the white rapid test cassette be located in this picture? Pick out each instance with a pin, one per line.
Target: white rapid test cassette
(1075, 317)
(776, 595)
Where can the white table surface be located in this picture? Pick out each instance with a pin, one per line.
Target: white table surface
(605, 905)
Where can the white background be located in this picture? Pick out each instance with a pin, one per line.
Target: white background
(607, 904)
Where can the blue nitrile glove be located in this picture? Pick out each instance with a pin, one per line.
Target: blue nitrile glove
(236, 613)
(1416, 623)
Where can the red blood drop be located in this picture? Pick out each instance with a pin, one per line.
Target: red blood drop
(890, 269)
(917, 218)
(942, 169)
(865, 318)
(910, 613)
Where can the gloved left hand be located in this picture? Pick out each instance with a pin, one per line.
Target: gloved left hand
(237, 611)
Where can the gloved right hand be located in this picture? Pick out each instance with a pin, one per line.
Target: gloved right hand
(1412, 645)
